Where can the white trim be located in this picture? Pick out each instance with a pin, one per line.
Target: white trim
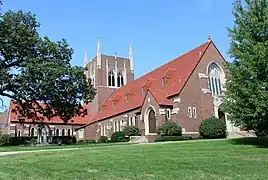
(176, 100)
(162, 111)
(190, 133)
(175, 110)
(202, 75)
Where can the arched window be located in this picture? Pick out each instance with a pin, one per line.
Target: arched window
(32, 132)
(19, 133)
(214, 79)
(111, 78)
(57, 132)
(120, 79)
(63, 132)
(69, 132)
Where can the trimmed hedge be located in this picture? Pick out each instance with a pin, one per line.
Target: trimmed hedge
(103, 139)
(170, 129)
(118, 136)
(63, 140)
(131, 131)
(7, 140)
(212, 128)
(173, 138)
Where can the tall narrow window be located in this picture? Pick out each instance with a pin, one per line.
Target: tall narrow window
(101, 130)
(111, 78)
(114, 126)
(19, 133)
(63, 132)
(214, 75)
(120, 79)
(168, 114)
(190, 113)
(133, 121)
(69, 132)
(57, 132)
(194, 112)
(32, 132)
(129, 121)
(104, 130)
(163, 82)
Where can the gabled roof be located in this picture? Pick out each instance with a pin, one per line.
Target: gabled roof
(178, 72)
(78, 120)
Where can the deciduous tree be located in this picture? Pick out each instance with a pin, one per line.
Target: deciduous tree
(247, 85)
(36, 72)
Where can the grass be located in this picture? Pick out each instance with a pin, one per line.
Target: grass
(29, 148)
(224, 159)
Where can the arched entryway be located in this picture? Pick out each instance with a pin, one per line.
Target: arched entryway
(152, 121)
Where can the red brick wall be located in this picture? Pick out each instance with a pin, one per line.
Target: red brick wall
(193, 96)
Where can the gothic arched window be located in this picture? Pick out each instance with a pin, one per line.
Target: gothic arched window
(214, 79)
(111, 78)
(63, 132)
(120, 79)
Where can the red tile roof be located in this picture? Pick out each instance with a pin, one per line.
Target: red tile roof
(175, 74)
(79, 120)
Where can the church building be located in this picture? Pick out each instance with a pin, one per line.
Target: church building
(185, 90)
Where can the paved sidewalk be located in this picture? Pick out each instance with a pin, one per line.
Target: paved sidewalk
(31, 151)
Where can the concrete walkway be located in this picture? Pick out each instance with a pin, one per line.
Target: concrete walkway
(31, 151)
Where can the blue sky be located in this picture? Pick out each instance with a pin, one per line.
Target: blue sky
(158, 30)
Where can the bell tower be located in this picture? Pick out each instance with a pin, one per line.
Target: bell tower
(108, 73)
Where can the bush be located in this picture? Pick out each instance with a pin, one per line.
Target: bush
(212, 128)
(90, 141)
(5, 140)
(103, 139)
(131, 131)
(63, 140)
(169, 129)
(118, 136)
(173, 138)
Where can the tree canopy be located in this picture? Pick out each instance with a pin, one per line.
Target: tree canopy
(36, 72)
(246, 97)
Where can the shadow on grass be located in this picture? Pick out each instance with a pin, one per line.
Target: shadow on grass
(261, 142)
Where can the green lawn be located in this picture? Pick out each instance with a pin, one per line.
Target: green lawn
(30, 148)
(223, 159)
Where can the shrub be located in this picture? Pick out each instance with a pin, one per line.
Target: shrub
(103, 139)
(173, 138)
(118, 136)
(131, 131)
(212, 128)
(5, 140)
(63, 140)
(90, 141)
(169, 129)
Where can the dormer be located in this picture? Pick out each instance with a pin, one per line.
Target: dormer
(168, 75)
(147, 84)
(131, 91)
(115, 99)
